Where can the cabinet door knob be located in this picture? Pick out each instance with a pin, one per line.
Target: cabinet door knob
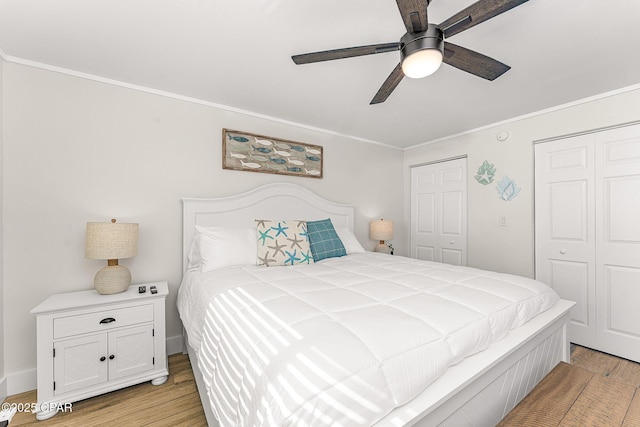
(107, 320)
(452, 242)
(112, 357)
(563, 251)
(102, 359)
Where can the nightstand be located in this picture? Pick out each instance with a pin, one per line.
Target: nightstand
(89, 344)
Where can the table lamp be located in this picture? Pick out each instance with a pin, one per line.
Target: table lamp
(381, 230)
(111, 241)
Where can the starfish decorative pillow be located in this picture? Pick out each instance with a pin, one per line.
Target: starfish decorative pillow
(283, 242)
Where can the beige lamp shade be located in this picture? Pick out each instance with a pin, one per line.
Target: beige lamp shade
(111, 241)
(381, 230)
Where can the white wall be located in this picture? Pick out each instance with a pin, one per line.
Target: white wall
(510, 249)
(76, 150)
(3, 388)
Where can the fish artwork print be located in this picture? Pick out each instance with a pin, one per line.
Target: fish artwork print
(238, 138)
(259, 153)
(259, 158)
(250, 165)
(264, 142)
(262, 149)
(282, 153)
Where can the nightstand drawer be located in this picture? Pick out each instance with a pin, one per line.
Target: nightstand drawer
(101, 321)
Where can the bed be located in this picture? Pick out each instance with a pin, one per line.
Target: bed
(404, 362)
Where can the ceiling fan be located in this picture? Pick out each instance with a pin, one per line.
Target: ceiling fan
(423, 48)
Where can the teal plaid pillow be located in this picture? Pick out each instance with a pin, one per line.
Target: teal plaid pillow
(324, 240)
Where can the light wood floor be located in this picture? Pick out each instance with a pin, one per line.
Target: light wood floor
(595, 390)
(176, 402)
(622, 370)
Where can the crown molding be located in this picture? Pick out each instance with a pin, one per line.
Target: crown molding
(179, 97)
(530, 115)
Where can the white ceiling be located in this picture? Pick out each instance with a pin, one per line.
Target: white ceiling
(237, 53)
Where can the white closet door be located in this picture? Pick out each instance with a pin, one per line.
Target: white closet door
(439, 212)
(565, 228)
(618, 241)
(587, 210)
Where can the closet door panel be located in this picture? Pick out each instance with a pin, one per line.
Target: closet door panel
(568, 211)
(622, 213)
(439, 212)
(565, 237)
(623, 317)
(425, 227)
(618, 241)
(568, 278)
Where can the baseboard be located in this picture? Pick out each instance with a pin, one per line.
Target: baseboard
(3, 389)
(27, 380)
(21, 382)
(175, 344)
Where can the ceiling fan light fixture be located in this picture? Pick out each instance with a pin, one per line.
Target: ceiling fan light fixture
(422, 53)
(422, 63)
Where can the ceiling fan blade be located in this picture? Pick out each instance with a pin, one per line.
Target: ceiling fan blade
(414, 14)
(389, 85)
(347, 52)
(478, 12)
(473, 62)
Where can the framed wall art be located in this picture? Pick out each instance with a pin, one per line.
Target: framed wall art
(258, 153)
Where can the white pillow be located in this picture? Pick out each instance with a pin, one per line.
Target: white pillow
(193, 257)
(351, 244)
(223, 247)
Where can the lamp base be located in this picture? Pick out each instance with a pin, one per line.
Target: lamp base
(112, 279)
(381, 247)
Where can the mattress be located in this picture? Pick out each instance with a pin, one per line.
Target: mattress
(343, 341)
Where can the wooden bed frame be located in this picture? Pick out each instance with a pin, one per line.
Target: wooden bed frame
(479, 391)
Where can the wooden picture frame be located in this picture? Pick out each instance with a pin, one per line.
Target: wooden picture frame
(249, 152)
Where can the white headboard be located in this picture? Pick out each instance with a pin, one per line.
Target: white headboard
(271, 201)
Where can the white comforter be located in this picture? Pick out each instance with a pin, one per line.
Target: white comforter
(346, 340)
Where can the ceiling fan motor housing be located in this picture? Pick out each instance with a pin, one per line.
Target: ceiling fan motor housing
(423, 52)
(430, 39)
